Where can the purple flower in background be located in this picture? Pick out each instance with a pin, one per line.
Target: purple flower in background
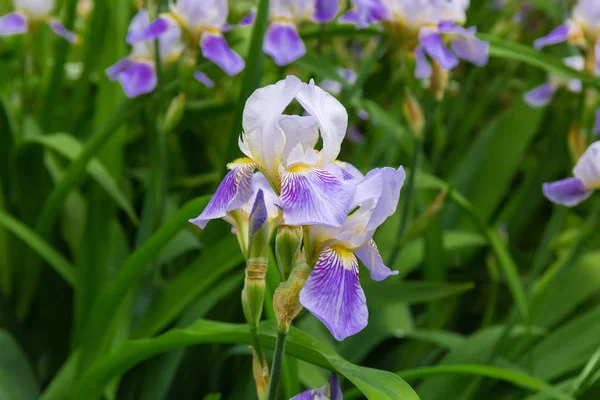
(572, 191)
(329, 391)
(28, 12)
(541, 95)
(365, 13)
(332, 292)
(204, 21)
(137, 72)
(282, 41)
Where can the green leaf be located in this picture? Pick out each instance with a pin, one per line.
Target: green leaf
(71, 148)
(394, 290)
(33, 240)
(17, 380)
(515, 51)
(374, 384)
(211, 266)
(319, 66)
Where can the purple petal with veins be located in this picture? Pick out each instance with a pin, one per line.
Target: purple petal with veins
(325, 10)
(568, 192)
(283, 43)
(13, 23)
(433, 44)
(214, 48)
(369, 255)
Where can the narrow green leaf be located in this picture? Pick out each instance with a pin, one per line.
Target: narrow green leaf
(374, 384)
(71, 148)
(319, 66)
(17, 380)
(33, 240)
(394, 290)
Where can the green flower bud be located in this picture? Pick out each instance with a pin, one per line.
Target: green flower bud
(413, 114)
(174, 113)
(287, 248)
(286, 299)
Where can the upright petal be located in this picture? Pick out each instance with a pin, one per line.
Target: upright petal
(433, 44)
(13, 23)
(325, 10)
(259, 214)
(335, 391)
(471, 49)
(331, 116)
(312, 196)
(393, 180)
(233, 192)
(558, 35)
(135, 77)
(63, 32)
(214, 48)
(144, 30)
(540, 96)
(138, 26)
(302, 130)
(568, 192)
(283, 43)
(369, 255)
(332, 293)
(588, 167)
(422, 68)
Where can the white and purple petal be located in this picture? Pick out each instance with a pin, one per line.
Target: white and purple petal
(215, 48)
(332, 293)
(234, 191)
(569, 192)
(471, 49)
(369, 255)
(423, 68)
(540, 96)
(204, 79)
(283, 43)
(433, 44)
(314, 196)
(587, 168)
(63, 32)
(365, 12)
(13, 23)
(135, 77)
(146, 30)
(558, 35)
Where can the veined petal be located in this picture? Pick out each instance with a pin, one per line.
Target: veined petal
(312, 196)
(135, 77)
(13, 23)
(61, 31)
(568, 192)
(283, 43)
(588, 167)
(558, 35)
(260, 183)
(325, 10)
(303, 130)
(433, 44)
(349, 171)
(259, 214)
(331, 116)
(369, 255)
(214, 48)
(233, 192)
(145, 30)
(204, 79)
(332, 293)
(422, 68)
(393, 180)
(262, 137)
(540, 96)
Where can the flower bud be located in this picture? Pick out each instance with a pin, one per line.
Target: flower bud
(174, 113)
(439, 81)
(413, 114)
(287, 248)
(286, 299)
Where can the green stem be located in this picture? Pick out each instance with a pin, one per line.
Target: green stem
(276, 366)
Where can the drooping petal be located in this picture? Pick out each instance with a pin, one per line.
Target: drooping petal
(263, 138)
(306, 395)
(331, 116)
(471, 49)
(558, 35)
(332, 293)
(283, 43)
(248, 19)
(13, 23)
(204, 79)
(597, 123)
(135, 77)
(63, 32)
(423, 68)
(314, 196)
(325, 10)
(369, 255)
(433, 44)
(540, 96)
(568, 192)
(233, 192)
(214, 48)
(588, 167)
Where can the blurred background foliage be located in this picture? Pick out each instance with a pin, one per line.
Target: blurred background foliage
(104, 283)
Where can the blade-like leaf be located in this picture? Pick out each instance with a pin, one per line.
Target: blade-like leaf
(393, 290)
(17, 380)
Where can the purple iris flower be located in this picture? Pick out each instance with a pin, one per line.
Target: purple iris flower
(365, 12)
(32, 11)
(572, 191)
(541, 95)
(329, 391)
(282, 41)
(136, 73)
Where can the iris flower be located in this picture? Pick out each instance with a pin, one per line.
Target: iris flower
(28, 13)
(541, 95)
(282, 41)
(137, 72)
(329, 391)
(586, 178)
